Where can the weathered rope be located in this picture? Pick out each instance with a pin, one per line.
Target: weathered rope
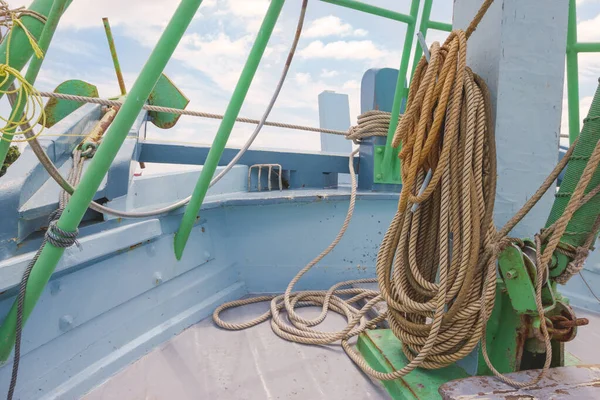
(202, 114)
(372, 123)
(56, 237)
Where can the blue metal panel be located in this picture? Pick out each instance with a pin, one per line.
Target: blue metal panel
(334, 113)
(26, 176)
(378, 87)
(307, 169)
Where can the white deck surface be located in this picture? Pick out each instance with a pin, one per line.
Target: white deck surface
(206, 362)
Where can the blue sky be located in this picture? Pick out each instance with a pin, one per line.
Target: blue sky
(338, 45)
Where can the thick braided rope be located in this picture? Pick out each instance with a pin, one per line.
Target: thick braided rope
(372, 123)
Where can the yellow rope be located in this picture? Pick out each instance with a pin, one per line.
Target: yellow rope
(25, 92)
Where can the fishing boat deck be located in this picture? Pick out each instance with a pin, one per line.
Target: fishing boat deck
(205, 361)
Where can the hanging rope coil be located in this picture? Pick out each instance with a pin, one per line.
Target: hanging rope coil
(11, 19)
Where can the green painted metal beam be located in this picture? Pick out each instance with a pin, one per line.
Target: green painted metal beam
(87, 188)
(572, 73)
(400, 95)
(232, 112)
(20, 49)
(440, 26)
(584, 218)
(589, 47)
(370, 9)
(59, 6)
(115, 58)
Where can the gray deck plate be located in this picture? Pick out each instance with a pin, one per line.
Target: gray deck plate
(205, 362)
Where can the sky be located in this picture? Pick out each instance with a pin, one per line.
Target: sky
(338, 45)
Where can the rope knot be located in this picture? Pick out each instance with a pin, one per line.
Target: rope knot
(58, 237)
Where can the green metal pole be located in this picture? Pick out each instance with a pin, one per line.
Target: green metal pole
(87, 188)
(440, 26)
(369, 9)
(582, 221)
(233, 109)
(572, 73)
(20, 49)
(423, 29)
(590, 47)
(32, 72)
(113, 53)
(401, 89)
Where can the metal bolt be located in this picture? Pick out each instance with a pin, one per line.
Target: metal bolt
(158, 278)
(379, 150)
(379, 176)
(65, 323)
(511, 274)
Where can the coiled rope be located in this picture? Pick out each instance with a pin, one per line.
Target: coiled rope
(436, 266)
(10, 18)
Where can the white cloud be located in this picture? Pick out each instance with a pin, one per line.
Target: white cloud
(352, 84)
(326, 73)
(302, 78)
(344, 50)
(589, 30)
(331, 26)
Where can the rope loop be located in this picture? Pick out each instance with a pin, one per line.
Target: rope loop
(59, 237)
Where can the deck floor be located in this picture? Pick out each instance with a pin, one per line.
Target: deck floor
(206, 362)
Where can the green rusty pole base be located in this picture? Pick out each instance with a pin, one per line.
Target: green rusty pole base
(87, 188)
(383, 352)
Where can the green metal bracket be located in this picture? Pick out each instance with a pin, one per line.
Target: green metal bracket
(389, 175)
(57, 109)
(518, 281)
(166, 94)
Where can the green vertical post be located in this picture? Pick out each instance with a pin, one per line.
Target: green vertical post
(401, 89)
(423, 27)
(32, 72)
(87, 188)
(572, 73)
(233, 109)
(113, 53)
